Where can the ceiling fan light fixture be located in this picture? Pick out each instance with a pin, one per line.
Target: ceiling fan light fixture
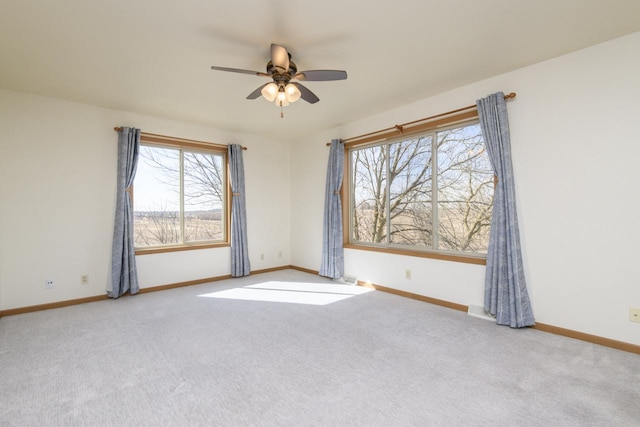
(281, 99)
(292, 92)
(270, 91)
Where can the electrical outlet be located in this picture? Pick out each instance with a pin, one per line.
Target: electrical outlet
(279, 254)
(84, 279)
(407, 274)
(634, 314)
(262, 257)
(49, 284)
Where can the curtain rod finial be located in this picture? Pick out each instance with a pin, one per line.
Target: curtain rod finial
(510, 95)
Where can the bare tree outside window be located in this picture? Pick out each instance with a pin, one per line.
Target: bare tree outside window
(168, 212)
(392, 192)
(465, 190)
(203, 196)
(410, 192)
(369, 195)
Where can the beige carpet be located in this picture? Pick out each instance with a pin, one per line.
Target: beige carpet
(285, 349)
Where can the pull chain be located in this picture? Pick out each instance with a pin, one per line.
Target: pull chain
(281, 112)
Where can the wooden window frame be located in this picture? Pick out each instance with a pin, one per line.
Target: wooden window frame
(197, 146)
(459, 118)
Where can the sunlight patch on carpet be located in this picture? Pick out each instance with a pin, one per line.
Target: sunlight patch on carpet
(291, 292)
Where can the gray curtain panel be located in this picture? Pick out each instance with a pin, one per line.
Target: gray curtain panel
(124, 276)
(239, 248)
(332, 249)
(506, 295)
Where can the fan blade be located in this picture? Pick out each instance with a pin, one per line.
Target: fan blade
(306, 94)
(279, 58)
(321, 75)
(256, 93)
(238, 70)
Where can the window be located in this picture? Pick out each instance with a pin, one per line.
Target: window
(180, 196)
(431, 191)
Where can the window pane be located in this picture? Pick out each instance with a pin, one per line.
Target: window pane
(465, 190)
(410, 192)
(369, 195)
(157, 197)
(203, 197)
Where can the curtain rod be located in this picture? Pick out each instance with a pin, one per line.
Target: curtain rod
(401, 127)
(118, 129)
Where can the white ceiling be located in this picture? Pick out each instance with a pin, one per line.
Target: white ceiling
(154, 56)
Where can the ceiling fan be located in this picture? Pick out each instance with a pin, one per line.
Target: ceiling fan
(284, 89)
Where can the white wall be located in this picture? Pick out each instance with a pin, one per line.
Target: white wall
(576, 145)
(57, 187)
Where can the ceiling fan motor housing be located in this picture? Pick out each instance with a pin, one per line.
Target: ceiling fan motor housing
(282, 79)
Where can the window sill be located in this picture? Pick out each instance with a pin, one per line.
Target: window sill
(163, 249)
(467, 259)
